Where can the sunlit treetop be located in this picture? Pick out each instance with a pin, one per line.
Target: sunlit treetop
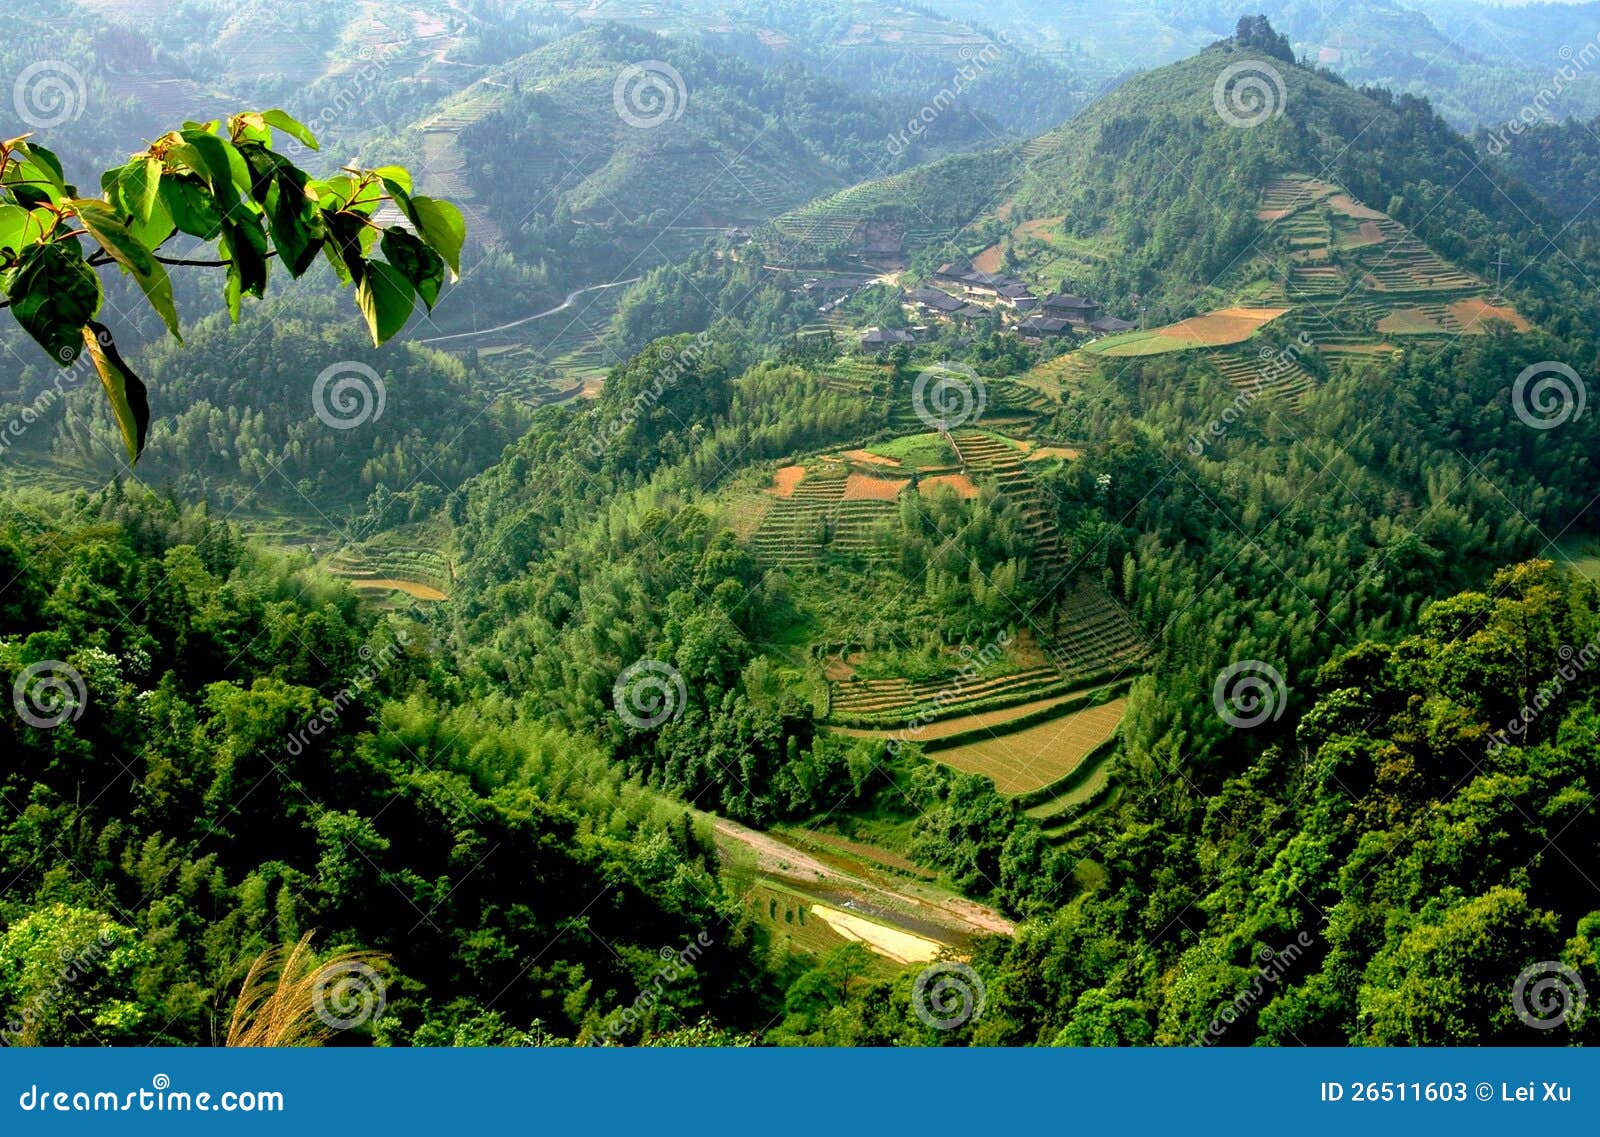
(224, 185)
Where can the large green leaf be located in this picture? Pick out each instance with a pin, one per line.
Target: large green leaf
(53, 293)
(112, 230)
(14, 223)
(137, 189)
(419, 264)
(443, 227)
(385, 299)
(129, 402)
(222, 166)
(193, 209)
(280, 186)
(289, 126)
(343, 246)
(244, 242)
(20, 227)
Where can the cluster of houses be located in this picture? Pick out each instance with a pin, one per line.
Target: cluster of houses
(967, 294)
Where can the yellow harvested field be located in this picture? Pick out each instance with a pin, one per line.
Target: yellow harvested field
(412, 588)
(1032, 758)
(988, 260)
(1214, 329)
(860, 487)
(902, 947)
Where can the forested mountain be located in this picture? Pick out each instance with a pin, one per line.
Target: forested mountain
(1477, 62)
(1557, 161)
(1218, 675)
(222, 822)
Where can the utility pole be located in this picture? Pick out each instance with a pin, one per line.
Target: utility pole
(1499, 268)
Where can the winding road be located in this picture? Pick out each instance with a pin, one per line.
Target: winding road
(561, 307)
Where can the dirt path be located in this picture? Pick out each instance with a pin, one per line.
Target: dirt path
(778, 858)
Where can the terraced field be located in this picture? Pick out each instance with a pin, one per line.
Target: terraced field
(1360, 280)
(377, 573)
(1214, 329)
(1088, 634)
(1278, 374)
(1028, 760)
(820, 516)
(984, 456)
(894, 702)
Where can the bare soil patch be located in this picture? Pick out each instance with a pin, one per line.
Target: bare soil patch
(786, 479)
(1476, 311)
(958, 482)
(988, 260)
(861, 487)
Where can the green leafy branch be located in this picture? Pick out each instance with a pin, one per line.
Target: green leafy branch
(220, 182)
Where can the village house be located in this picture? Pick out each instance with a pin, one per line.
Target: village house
(1043, 327)
(1018, 296)
(1110, 325)
(879, 340)
(933, 301)
(1065, 306)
